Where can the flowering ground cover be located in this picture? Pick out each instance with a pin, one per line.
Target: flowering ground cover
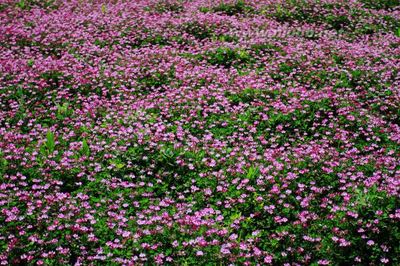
(199, 132)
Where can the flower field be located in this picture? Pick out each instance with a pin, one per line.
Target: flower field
(199, 132)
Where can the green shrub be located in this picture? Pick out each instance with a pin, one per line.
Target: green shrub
(381, 4)
(227, 57)
(28, 4)
(230, 9)
(198, 30)
(166, 6)
(156, 80)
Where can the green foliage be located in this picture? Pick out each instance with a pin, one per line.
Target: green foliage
(3, 165)
(21, 4)
(282, 14)
(151, 38)
(155, 80)
(227, 38)
(368, 202)
(85, 150)
(381, 4)
(266, 48)
(198, 30)
(305, 11)
(3, 7)
(101, 43)
(64, 111)
(338, 59)
(337, 22)
(204, 9)
(103, 9)
(53, 78)
(293, 10)
(245, 96)
(154, 39)
(30, 62)
(228, 57)
(50, 141)
(48, 147)
(252, 173)
(284, 69)
(28, 4)
(167, 6)
(233, 9)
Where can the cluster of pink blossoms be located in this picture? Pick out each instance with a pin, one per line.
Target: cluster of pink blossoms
(198, 132)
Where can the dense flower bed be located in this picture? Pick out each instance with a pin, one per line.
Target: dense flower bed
(199, 132)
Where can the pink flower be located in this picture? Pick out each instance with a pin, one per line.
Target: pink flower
(268, 259)
(225, 250)
(323, 262)
(384, 260)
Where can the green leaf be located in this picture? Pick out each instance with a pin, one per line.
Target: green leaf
(30, 62)
(252, 172)
(21, 4)
(85, 148)
(236, 216)
(50, 142)
(63, 111)
(103, 9)
(3, 165)
(120, 165)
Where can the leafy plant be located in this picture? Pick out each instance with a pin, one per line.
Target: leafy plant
(198, 30)
(85, 148)
(48, 147)
(28, 4)
(168, 6)
(380, 4)
(156, 80)
(232, 9)
(63, 111)
(228, 57)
